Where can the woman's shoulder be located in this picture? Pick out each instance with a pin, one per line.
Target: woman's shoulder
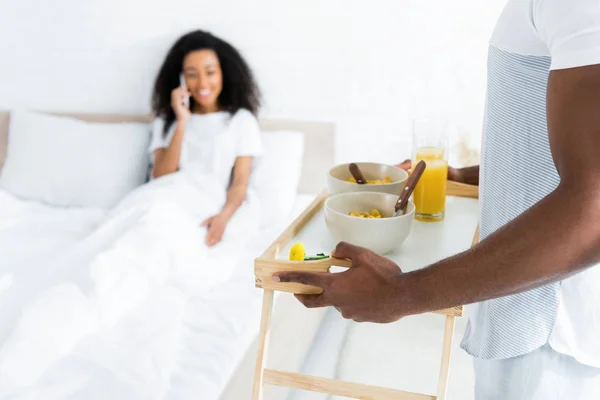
(244, 117)
(160, 138)
(158, 122)
(158, 126)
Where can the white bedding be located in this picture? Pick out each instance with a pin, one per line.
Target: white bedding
(127, 304)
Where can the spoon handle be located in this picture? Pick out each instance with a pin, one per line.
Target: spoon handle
(410, 186)
(358, 176)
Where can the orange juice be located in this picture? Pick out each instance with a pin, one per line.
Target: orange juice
(430, 193)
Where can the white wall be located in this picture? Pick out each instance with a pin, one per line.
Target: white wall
(369, 66)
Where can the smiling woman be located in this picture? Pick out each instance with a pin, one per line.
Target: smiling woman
(205, 99)
(215, 73)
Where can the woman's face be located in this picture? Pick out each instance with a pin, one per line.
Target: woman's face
(204, 79)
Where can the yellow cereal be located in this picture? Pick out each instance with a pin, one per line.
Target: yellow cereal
(387, 179)
(373, 214)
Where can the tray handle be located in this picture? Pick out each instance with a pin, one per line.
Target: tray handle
(264, 269)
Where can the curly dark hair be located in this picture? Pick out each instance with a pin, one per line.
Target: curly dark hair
(239, 85)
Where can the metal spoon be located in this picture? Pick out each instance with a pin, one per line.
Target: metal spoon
(358, 176)
(409, 188)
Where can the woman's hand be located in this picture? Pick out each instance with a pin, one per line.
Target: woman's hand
(216, 227)
(180, 103)
(236, 194)
(369, 291)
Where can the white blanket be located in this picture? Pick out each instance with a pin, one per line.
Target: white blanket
(116, 298)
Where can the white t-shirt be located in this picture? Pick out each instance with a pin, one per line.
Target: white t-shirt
(212, 142)
(532, 37)
(568, 31)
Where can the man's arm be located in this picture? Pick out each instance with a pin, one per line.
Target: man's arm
(468, 175)
(554, 239)
(557, 237)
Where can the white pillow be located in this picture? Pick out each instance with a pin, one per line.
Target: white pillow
(65, 162)
(276, 176)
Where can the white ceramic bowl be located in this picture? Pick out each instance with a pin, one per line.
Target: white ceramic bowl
(337, 179)
(381, 235)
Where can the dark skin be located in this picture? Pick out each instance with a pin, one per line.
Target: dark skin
(468, 175)
(553, 240)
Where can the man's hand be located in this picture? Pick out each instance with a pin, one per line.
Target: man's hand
(367, 292)
(216, 227)
(468, 175)
(405, 165)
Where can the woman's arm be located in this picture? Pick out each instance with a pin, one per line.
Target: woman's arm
(235, 197)
(166, 160)
(239, 187)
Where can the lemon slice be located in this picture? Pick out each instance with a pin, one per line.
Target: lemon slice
(297, 252)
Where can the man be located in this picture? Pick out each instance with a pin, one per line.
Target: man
(534, 328)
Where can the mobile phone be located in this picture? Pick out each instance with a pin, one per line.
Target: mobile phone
(184, 85)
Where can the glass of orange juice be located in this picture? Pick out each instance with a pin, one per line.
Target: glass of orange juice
(430, 144)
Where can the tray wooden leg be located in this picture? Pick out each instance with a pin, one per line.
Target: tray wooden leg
(446, 350)
(263, 343)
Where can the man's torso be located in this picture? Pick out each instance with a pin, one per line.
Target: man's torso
(517, 171)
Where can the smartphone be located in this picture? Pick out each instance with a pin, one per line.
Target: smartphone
(184, 85)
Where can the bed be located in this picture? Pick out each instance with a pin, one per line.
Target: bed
(212, 347)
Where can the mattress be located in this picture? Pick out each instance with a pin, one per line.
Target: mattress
(220, 330)
(30, 234)
(212, 344)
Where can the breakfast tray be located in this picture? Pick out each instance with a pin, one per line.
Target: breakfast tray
(310, 228)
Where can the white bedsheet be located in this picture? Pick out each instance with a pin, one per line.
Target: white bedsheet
(97, 305)
(220, 326)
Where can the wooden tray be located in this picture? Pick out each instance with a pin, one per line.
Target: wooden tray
(310, 228)
(462, 190)
(274, 259)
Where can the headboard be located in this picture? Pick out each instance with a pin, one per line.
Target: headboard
(318, 145)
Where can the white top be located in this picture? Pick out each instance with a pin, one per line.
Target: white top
(568, 31)
(532, 37)
(212, 142)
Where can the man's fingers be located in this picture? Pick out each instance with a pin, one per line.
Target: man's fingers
(320, 279)
(405, 165)
(313, 300)
(347, 250)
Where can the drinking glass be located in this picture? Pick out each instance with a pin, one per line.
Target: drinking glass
(430, 144)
